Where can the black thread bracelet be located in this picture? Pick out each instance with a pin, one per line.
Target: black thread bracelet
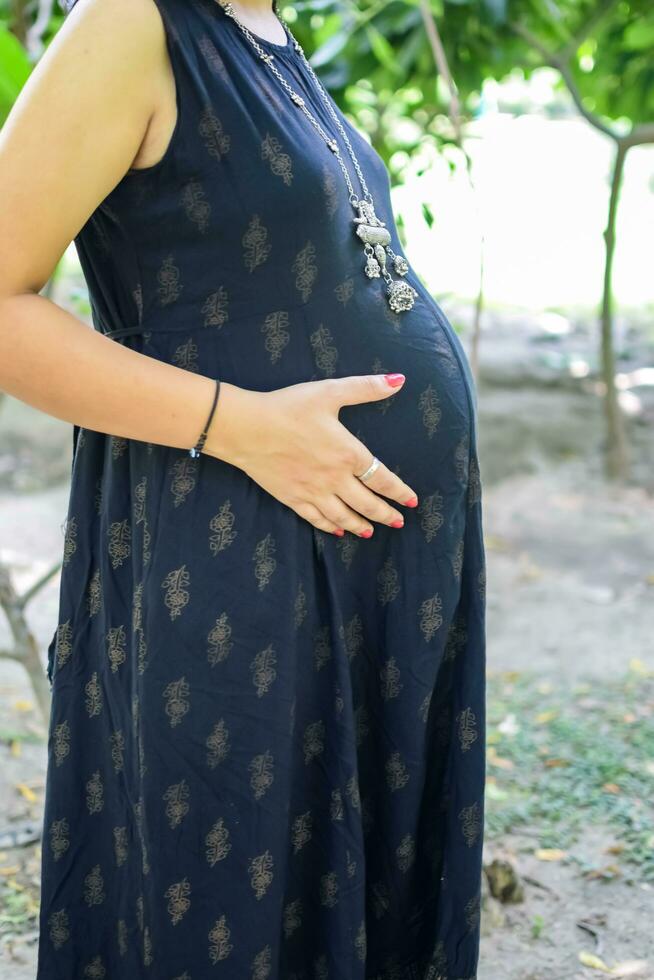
(199, 446)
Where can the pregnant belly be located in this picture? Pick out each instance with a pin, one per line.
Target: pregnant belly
(423, 430)
(419, 431)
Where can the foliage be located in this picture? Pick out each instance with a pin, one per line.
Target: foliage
(376, 59)
(375, 56)
(612, 63)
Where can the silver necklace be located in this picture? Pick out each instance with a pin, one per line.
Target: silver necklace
(370, 229)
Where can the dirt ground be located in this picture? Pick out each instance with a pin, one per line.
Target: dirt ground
(570, 599)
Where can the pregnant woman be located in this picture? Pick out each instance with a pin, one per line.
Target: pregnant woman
(266, 745)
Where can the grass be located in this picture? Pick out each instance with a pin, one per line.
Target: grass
(560, 759)
(563, 758)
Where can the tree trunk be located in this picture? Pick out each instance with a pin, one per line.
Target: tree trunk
(454, 111)
(617, 463)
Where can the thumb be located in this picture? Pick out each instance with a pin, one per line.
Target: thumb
(358, 388)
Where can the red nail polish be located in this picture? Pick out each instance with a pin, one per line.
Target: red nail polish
(411, 502)
(366, 534)
(394, 380)
(339, 531)
(397, 523)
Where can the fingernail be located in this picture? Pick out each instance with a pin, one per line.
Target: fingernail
(339, 531)
(397, 523)
(411, 502)
(366, 534)
(394, 380)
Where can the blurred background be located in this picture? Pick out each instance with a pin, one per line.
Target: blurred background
(519, 135)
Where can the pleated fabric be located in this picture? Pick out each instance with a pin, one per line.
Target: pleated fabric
(266, 744)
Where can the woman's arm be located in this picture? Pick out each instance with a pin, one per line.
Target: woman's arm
(82, 118)
(88, 111)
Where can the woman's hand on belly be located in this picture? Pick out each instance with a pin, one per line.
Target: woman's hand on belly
(291, 442)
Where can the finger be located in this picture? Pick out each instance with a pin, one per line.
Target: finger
(358, 388)
(337, 510)
(364, 501)
(383, 480)
(314, 516)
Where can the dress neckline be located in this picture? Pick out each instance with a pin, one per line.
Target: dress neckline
(273, 46)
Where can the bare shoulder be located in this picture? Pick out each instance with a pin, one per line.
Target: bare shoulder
(129, 25)
(130, 37)
(128, 12)
(90, 99)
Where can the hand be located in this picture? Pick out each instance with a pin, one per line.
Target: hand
(291, 442)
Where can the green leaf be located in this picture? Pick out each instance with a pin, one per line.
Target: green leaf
(382, 50)
(14, 63)
(333, 46)
(409, 53)
(15, 68)
(428, 214)
(639, 36)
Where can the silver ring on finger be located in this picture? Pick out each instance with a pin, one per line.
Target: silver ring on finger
(374, 466)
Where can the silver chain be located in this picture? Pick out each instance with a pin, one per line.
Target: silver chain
(369, 228)
(299, 101)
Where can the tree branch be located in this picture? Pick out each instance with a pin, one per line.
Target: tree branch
(580, 35)
(442, 65)
(557, 62)
(639, 135)
(35, 33)
(38, 585)
(440, 58)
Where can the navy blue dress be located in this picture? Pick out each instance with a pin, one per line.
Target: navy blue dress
(266, 745)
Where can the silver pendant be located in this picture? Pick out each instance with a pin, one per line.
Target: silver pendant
(372, 268)
(400, 264)
(373, 233)
(401, 296)
(377, 238)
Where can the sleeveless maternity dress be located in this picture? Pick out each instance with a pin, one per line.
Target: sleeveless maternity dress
(266, 743)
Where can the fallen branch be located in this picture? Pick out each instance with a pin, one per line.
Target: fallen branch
(25, 650)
